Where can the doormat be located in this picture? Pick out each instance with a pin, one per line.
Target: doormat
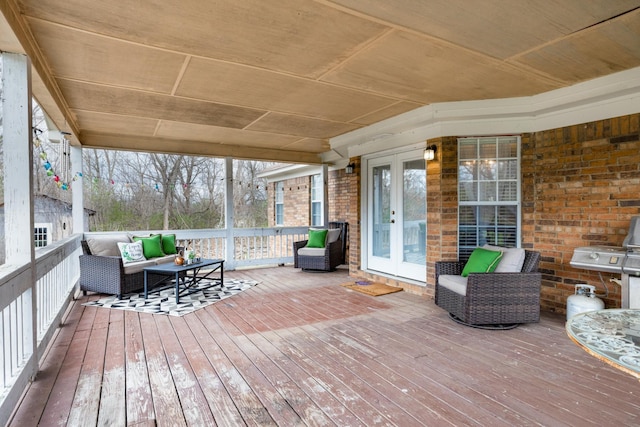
(371, 288)
(164, 301)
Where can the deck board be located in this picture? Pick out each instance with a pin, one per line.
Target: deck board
(137, 386)
(299, 350)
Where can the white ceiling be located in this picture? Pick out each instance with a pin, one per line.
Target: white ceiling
(275, 80)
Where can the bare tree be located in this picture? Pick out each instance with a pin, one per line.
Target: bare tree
(167, 168)
(250, 194)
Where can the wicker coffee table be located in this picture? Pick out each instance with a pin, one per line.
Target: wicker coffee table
(186, 277)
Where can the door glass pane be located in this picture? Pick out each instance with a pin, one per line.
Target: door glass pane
(414, 212)
(381, 211)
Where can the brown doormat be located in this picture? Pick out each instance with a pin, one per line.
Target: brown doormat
(371, 288)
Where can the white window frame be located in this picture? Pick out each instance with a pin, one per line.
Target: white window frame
(48, 227)
(317, 200)
(483, 186)
(279, 203)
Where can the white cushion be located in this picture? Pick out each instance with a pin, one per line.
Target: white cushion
(131, 252)
(512, 259)
(457, 284)
(311, 251)
(333, 235)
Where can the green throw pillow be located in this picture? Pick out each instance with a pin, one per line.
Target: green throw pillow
(481, 261)
(317, 238)
(169, 244)
(151, 246)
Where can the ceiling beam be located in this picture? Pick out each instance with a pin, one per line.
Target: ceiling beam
(195, 148)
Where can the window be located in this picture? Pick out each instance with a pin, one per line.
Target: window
(42, 234)
(317, 191)
(488, 193)
(280, 203)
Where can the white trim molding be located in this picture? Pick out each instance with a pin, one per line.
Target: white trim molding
(602, 98)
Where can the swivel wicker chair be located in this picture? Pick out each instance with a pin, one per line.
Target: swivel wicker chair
(327, 258)
(492, 300)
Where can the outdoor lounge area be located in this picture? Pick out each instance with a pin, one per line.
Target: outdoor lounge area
(431, 128)
(299, 349)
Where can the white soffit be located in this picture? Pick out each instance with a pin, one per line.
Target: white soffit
(606, 97)
(290, 172)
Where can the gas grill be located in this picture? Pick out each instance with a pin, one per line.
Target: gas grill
(623, 259)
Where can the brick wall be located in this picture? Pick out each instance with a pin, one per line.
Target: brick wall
(344, 205)
(580, 187)
(586, 187)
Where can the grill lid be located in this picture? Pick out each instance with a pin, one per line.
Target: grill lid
(599, 258)
(633, 237)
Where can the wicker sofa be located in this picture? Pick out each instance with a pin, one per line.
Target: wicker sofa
(103, 271)
(492, 298)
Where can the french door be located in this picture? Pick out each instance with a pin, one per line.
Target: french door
(396, 215)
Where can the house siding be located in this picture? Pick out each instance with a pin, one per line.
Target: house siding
(47, 210)
(297, 202)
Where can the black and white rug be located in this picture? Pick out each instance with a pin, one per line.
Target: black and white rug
(164, 301)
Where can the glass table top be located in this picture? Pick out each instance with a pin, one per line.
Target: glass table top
(612, 335)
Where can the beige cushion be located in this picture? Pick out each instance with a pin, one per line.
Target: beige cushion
(164, 259)
(106, 246)
(333, 235)
(457, 284)
(311, 251)
(137, 267)
(512, 259)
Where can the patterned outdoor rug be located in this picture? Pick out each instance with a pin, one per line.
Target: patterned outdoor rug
(371, 288)
(164, 301)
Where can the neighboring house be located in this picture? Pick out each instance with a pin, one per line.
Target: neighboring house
(295, 196)
(52, 221)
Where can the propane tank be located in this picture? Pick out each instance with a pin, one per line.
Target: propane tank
(583, 300)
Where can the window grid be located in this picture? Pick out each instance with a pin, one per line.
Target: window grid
(42, 235)
(488, 193)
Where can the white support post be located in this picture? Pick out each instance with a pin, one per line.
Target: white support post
(18, 211)
(230, 261)
(18, 158)
(77, 210)
(325, 195)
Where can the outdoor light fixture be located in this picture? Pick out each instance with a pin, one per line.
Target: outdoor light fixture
(430, 152)
(349, 169)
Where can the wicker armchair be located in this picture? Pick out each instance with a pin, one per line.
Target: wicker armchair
(333, 256)
(504, 299)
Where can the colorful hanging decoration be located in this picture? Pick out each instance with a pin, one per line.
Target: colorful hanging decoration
(46, 164)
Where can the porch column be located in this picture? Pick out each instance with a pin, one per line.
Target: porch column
(77, 193)
(230, 261)
(325, 194)
(18, 159)
(18, 225)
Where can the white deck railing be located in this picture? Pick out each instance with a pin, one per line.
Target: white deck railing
(251, 246)
(30, 315)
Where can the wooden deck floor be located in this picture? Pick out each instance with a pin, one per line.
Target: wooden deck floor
(300, 350)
